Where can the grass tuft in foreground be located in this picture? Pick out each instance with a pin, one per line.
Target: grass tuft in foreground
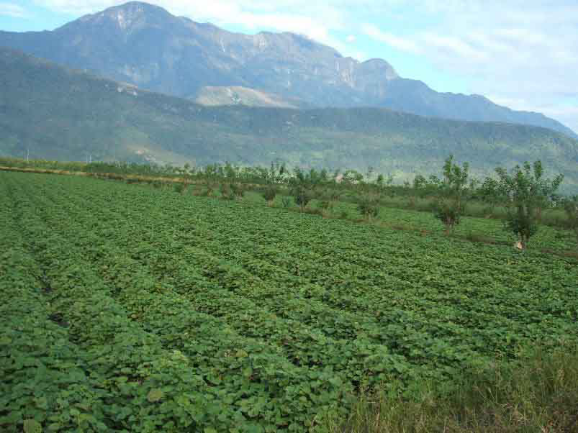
(539, 394)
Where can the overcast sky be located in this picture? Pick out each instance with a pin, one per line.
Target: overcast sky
(519, 53)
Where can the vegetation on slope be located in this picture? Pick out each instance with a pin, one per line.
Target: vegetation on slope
(52, 113)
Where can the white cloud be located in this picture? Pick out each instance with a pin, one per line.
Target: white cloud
(351, 39)
(522, 52)
(454, 47)
(393, 41)
(12, 10)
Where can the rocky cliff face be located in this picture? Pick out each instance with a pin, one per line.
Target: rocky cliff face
(145, 45)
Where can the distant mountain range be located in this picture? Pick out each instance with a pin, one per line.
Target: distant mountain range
(58, 113)
(146, 46)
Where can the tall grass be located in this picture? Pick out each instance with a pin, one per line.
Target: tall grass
(538, 394)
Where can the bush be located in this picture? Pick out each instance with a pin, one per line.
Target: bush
(368, 206)
(302, 196)
(238, 190)
(269, 194)
(179, 187)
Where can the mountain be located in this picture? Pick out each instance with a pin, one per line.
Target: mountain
(144, 45)
(238, 95)
(58, 113)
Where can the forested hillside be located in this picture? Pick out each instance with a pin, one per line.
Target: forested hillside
(50, 112)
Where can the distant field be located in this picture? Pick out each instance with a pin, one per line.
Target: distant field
(490, 230)
(130, 308)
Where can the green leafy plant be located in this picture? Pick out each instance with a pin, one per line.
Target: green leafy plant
(449, 206)
(527, 192)
(179, 187)
(130, 310)
(368, 206)
(302, 196)
(238, 190)
(269, 194)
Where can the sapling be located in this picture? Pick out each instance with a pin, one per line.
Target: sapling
(269, 194)
(526, 193)
(368, 206)
(449, 206)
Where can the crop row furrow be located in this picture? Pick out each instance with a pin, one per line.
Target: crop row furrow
(102, 327)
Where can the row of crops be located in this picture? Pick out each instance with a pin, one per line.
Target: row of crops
(130, 309)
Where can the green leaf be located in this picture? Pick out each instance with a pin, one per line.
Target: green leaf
(32, 426)
(155, 395)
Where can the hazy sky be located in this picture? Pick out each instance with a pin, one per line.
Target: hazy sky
(519, 53)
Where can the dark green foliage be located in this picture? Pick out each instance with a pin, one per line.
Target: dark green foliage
(490, 193)
(302, 195)
(226, 192)
(450, 203)
(449, 212)
(368, 205)
(286, 202)
(269, 194)
(238, 190)
(304, 184)
(179, 187)
(232, 191)
(527, 193)
(133, 309)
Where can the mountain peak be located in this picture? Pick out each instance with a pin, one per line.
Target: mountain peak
(137, 8)
(380, 65)
(145, 45)
(126, 15)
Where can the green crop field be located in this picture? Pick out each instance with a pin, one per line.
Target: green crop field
(129, 308)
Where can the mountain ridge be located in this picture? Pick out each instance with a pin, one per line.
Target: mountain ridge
(56, 113)
(145, 45)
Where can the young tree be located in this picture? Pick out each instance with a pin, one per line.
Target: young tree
(302, 195)
(571, 208)
(303, 185)
(369, 198)
(450, 203)
(269, 194)
(368, 205)
(273, 176)
(490, 193)
(237, 190)
(225, 190)
(526, 193)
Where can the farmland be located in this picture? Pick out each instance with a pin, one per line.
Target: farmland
(131, 308)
